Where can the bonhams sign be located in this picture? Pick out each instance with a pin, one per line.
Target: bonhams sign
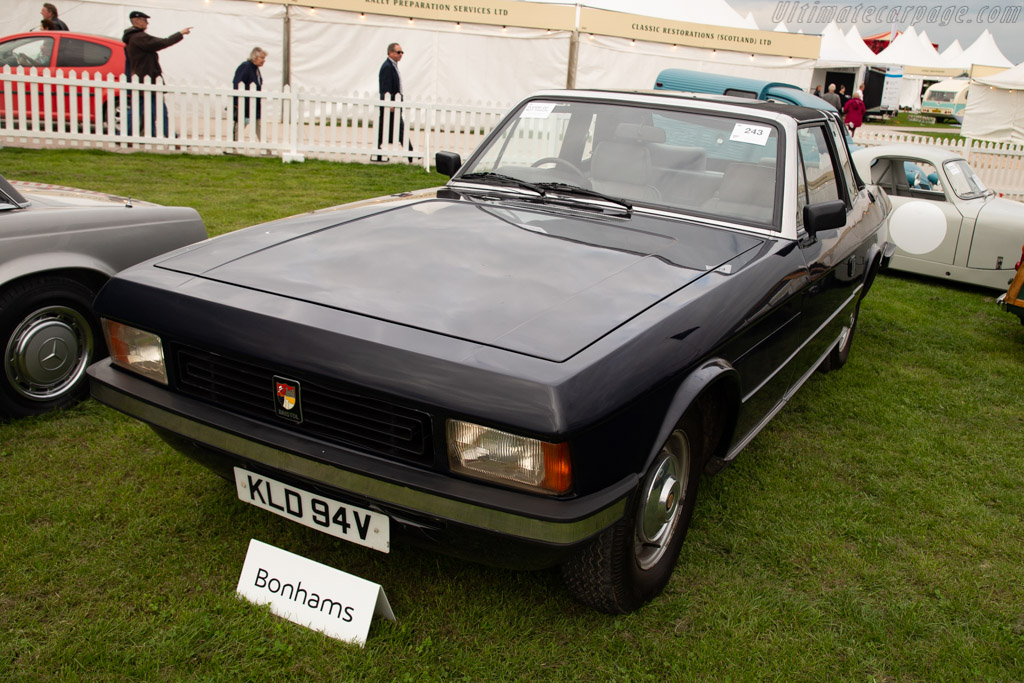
(637, 27)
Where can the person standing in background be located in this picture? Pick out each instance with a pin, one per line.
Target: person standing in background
(141, 53)
(248, 76)
(49, 13)
(832, 98)
(854, 113)
(390, 82)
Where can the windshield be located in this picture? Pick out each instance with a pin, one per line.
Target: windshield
(964, 181)
(722, 166)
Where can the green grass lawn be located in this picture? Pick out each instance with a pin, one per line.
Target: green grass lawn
(874, 531)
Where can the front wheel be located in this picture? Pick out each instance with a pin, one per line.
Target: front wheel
(630, 563)
(50, 336)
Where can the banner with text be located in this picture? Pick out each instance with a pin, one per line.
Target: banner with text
(492, 12)
(637, 27)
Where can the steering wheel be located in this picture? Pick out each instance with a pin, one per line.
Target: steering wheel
(559, 163)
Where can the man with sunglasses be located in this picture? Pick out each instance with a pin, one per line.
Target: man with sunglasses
(390, 81)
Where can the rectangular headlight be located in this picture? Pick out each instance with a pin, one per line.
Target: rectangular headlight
(136, 350)
(508, 459)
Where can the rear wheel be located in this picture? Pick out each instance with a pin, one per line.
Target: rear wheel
(50, 336)
(841, 351)
(629, 564)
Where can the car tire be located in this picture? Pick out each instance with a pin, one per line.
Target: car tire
(102, 124)
(50, 336)
(630, 563)
(840, 353)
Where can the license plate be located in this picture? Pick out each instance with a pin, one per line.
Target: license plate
(370, 529)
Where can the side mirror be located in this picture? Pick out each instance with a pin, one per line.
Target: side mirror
(447, 163)
(824, 216)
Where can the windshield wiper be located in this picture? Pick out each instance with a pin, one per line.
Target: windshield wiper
(566, 188)
(501, 179)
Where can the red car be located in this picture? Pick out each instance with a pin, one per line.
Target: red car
(82, 53)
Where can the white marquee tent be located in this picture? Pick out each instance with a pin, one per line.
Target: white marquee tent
(984, 51)
(995, 107)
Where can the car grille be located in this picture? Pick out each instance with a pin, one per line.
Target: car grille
(328, 411)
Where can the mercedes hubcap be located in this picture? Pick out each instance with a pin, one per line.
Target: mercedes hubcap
(48, 353)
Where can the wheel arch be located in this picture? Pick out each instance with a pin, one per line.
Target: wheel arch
(713, 390)
(88, 272)
(876, 257)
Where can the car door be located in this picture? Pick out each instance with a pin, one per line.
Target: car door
(84, 57)
(836, 259)
(908, 179)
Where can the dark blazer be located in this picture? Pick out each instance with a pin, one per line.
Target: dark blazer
(141, 50)
(388, 79)
(247, 73)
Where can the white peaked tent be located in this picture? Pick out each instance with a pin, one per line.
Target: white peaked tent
(927, 42)
(781, 27)
(995, 107)
(985, 51)
(836, 49)
(750, 21)
(908, 50)
(859, 47)
(952, 54)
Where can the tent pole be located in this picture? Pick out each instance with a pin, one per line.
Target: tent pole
(574, 50)
(286, 48)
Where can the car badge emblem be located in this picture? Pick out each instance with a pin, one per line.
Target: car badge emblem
(286, 399)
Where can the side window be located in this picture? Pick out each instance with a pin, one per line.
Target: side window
(74, 52)
(819, 167)
(27, 52)
(801, 191)
(844, 159)
(922, 181)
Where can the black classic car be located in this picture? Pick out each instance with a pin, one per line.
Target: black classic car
(532, 365)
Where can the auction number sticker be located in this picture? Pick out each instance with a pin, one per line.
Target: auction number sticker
(537, 110)
(751, 134)
(347, 522)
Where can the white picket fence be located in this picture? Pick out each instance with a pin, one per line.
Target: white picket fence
(69, 110)
(999, 165)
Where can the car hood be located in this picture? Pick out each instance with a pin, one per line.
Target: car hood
(541, 283)
(42, 195)
(1001, 211)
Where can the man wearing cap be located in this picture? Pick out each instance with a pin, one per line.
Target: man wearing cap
(141, 55)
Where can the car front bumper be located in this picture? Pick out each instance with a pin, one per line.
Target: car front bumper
(456, 516)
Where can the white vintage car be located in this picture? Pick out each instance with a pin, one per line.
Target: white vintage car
(983, 232)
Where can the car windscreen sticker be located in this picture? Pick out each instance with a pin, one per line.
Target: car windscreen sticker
(751, 134)
(953, 170)
(538, 110)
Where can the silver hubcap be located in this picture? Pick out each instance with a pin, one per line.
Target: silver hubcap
(48, 353)
(662, 500)
(844, 334)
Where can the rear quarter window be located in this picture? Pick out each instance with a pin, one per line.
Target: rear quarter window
(75, 52)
